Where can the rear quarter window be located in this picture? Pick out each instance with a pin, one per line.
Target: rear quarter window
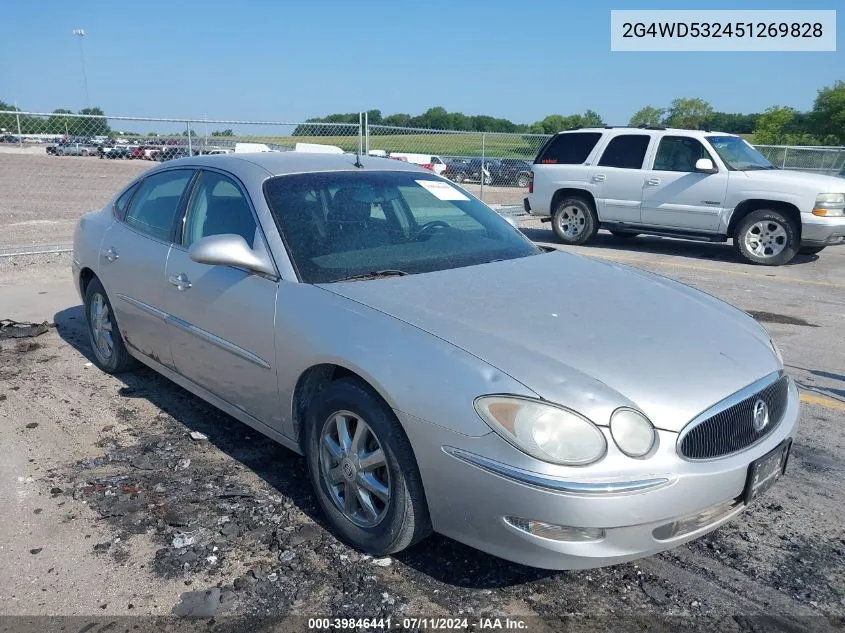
(568, 149)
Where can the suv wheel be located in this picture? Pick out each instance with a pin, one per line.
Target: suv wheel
(766, 237)
(574, 221)
(522, 181)
(363, 469)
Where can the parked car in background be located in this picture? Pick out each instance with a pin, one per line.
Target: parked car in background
(74, 149)
(171, 153)
(115, 151)
(9, 138)
(472, 170)
(427, 161)
(371, 316)
(707, 186)
(513, 172)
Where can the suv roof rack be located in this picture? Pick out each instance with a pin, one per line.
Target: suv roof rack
(643, 126)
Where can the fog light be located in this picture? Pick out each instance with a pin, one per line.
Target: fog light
(556, 532)
(692, 523)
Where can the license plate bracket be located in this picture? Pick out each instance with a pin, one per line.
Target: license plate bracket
(764, 472)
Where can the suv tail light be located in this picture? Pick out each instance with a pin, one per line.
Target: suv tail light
(530, 182)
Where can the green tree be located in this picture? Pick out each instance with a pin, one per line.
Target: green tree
(591, 119)
(775, 125)
(226, 132)
(827, 118)
(689, 113)
(95, 126)
(647, 116)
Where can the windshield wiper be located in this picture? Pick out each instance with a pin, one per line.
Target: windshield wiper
(374, 274)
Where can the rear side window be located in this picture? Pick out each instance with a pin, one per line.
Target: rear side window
(626, 151)
(153, 207)
(123, 201)
(568, 149)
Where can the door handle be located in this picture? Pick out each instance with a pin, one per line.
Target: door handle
(181, 281)
(599, 178)
(111, 254)
(653, 182)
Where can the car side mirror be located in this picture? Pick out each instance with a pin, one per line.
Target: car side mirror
(230, 250)
(705, 166)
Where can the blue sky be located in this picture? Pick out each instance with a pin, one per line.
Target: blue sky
(287, 60)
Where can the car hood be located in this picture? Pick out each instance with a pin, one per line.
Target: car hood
(583, 333)
(819, 183)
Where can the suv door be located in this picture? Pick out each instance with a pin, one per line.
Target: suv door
(677, 196)
(222, 318)
(616, 180)
(133, 260)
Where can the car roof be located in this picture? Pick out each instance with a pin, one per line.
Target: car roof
(282, 163)
(668, 130)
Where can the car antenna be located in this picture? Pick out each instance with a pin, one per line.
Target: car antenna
(358, 162)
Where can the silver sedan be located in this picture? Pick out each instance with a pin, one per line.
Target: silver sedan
(437, 369)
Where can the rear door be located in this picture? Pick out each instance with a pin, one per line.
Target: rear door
(222, 318)
(616, 180)
(133, 260)
(677, 196)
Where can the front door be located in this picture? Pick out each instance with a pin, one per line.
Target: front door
(616, 180)
(677, 196)
(133, 260)
(222, 318)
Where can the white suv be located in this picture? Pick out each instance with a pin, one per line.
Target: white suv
(696, 185)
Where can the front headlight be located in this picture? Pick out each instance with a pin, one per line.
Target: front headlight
(829, 205)
(549, 433)
(632, 431)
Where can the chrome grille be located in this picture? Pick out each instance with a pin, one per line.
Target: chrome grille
(732, 429)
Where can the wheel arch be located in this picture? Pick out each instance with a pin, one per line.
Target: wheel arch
(315, 379)
(86, 275)
(755, 204)
(564, 192)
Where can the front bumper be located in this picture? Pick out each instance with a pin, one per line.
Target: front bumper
(469, 503)
(818, 231)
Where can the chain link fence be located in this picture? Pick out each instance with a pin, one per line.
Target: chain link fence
(53, 167)
(822, 160)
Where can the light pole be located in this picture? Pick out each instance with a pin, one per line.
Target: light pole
(80, 33)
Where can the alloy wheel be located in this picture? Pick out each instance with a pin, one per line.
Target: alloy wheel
(354, 469)
(571, 221)
(102, 326)
(766, 238)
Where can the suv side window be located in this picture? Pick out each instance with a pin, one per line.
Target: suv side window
(153, 208)
(626, 151)
(218, 207)
(679, 153)
(571, 148)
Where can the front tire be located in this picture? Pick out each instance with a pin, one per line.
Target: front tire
(110, 352)
(363, 469)
(767, 237)
(810, 250)
(574, 221)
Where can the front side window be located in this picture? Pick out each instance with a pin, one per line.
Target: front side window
(571, 148)
(626, 151)
(738, 154)
(340, 224)
(218, 207)
(679, 153)
(153, 207)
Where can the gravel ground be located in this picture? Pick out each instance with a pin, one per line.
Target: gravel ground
(112, 508)
(42, 197)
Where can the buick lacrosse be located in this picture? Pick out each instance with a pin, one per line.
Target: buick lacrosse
(437, 369)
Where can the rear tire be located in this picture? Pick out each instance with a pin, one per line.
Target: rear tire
(810, 250)
(574, 221)
(522, 181)
(376, 524)
(459, 177)
(110, 352)
(767, 237)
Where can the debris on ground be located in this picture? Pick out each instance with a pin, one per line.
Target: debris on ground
(21, 329)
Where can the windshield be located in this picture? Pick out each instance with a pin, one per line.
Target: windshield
(343, 224)
(738, 154)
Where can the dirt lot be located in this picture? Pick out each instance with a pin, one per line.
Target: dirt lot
(42, 197)
(112, 509)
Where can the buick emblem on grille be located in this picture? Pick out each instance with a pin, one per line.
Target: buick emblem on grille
(760, 417)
